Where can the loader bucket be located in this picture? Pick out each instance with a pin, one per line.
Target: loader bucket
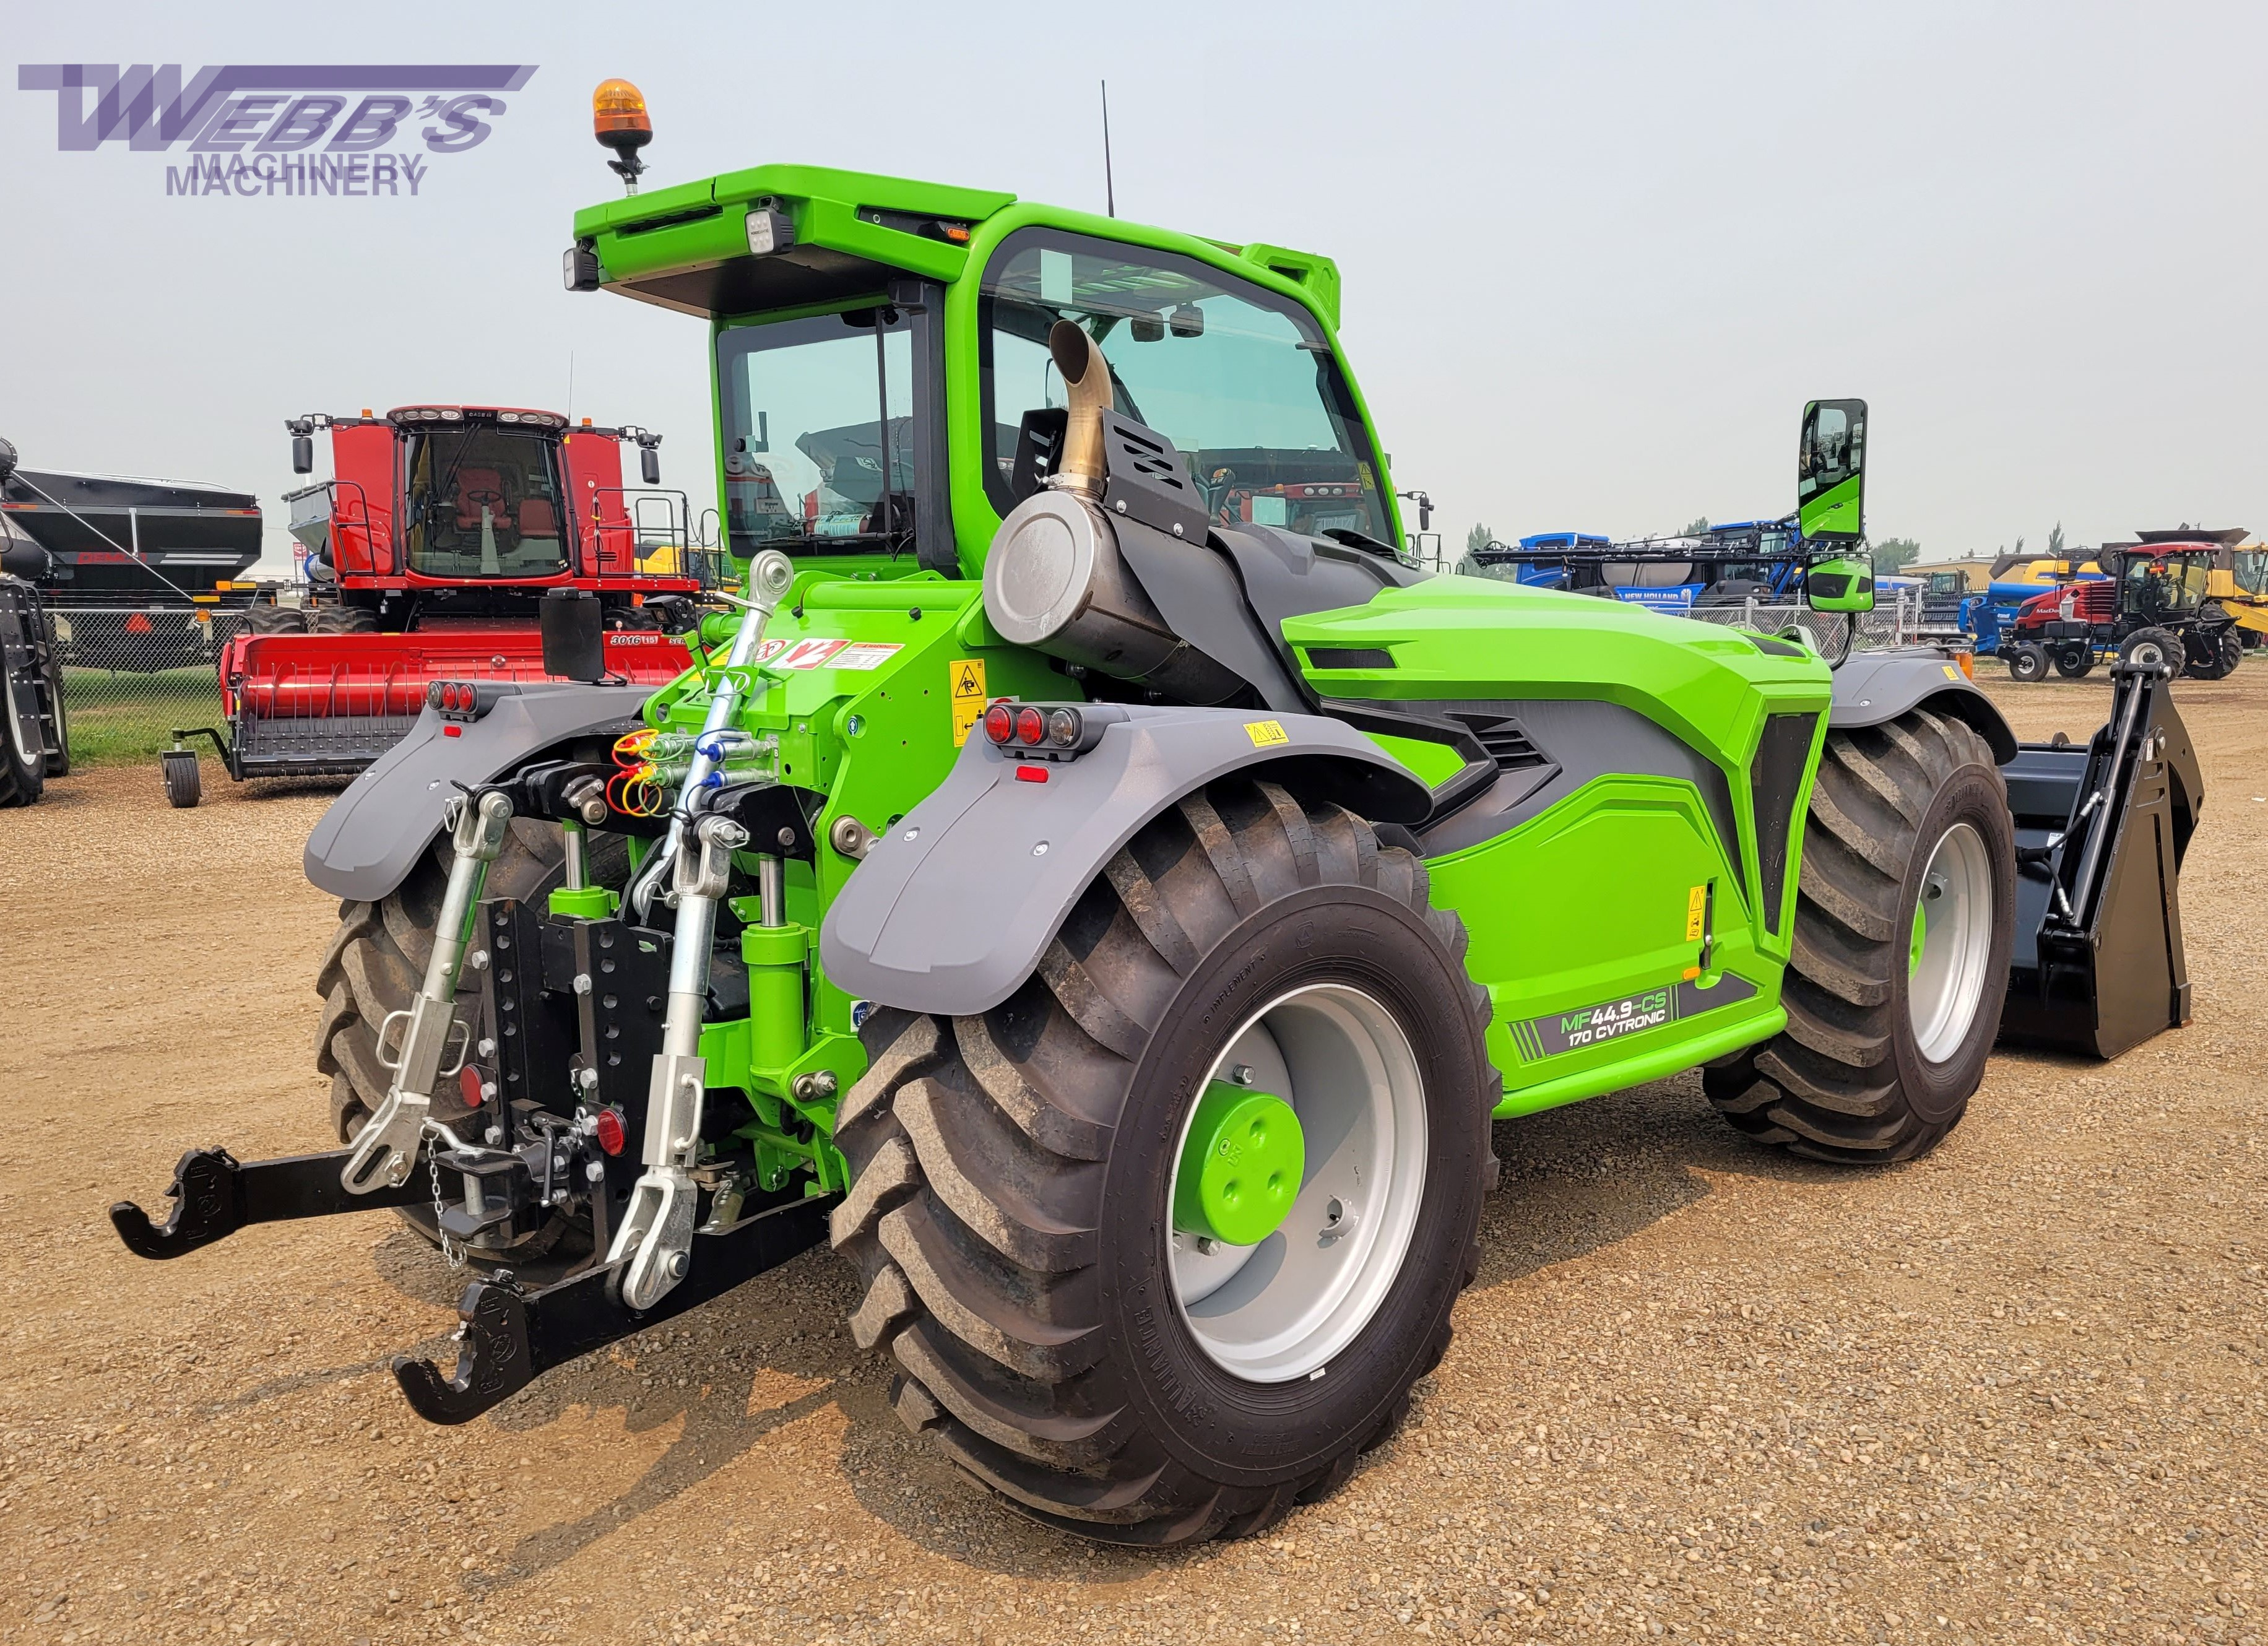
(2101, 830)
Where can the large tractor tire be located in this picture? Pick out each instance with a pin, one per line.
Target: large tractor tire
(2227, 651)
(267, 618)
(23, 770)
(1030, 1184)
(376, 960)
(341, 620)
(1904, 917)
(2160, 647)
(2026, 662)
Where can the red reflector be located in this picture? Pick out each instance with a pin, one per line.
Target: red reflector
(1031, 774)
(610, 1131)
(1031, 727)
(453, 730)
(468, 1083)
(999, 723)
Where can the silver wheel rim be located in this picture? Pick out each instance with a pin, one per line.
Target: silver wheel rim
(1279, 1310)
(2150, 655)
(1947, 980)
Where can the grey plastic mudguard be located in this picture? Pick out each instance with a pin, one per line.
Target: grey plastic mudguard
(954, 904)
(367, 843)
(1872, 688)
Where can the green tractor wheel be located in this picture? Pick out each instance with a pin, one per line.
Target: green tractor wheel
(1160, 1243)
(374, 965)
(1904, 919)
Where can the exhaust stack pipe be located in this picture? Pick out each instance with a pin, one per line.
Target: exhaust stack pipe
(1086, 381)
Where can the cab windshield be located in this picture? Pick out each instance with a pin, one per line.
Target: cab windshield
(483, 503)
(1241, 380)
(2171, 585)
(819, 433)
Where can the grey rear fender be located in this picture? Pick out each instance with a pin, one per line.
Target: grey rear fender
(377, 831)
(953, 905)
(1874, 688)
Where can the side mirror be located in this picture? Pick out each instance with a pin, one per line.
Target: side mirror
(1831, 471)
(1840, 586)
(574, 644)
(649, 465)
(303, 454)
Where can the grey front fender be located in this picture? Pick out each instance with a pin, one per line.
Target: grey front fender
(375, 831)
(954, 904)
(1873, 687)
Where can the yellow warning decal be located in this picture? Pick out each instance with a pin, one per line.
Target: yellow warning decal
(1697, 910)
(1266, 732)
(967, 674)
(1951, 672)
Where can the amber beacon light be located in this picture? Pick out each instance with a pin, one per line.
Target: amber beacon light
(619, 120)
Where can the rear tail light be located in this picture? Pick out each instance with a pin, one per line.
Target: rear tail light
(1056, 731)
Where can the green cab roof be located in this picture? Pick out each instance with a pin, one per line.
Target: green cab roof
(686, 247)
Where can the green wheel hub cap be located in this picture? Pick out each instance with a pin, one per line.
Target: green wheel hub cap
(1241, 1168)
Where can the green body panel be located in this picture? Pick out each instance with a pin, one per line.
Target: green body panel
(1590, 901)
(873, 741)
(1586, 920)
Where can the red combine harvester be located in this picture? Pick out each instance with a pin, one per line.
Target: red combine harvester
(430, 551)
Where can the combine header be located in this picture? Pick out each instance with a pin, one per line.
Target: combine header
(432, 549)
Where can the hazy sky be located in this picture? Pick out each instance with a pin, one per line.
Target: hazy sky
(1596, 256)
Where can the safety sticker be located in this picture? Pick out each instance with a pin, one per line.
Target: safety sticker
(1557, 1032)
(864, 655)
(967, 674)
(798, 654)
(1696, 912)
(1265, 734)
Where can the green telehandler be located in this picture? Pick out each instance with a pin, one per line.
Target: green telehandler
(1090, 881)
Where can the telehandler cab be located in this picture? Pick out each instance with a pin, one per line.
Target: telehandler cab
(1094, 884)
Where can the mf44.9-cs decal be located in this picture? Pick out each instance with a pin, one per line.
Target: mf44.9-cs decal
(1555, 1032)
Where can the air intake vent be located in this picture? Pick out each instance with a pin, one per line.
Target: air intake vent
(1350, 657)
(1774, 778)
(1508, 742)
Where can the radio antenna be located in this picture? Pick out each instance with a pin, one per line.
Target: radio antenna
(1109, 188)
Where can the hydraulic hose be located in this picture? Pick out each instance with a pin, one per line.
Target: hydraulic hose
(770, 575)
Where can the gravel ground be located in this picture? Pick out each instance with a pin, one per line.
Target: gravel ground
(2014, 1391)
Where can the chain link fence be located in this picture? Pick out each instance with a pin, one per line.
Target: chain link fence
(133, 673)
(1898, 621)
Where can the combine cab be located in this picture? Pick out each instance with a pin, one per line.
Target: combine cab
(431, 550)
